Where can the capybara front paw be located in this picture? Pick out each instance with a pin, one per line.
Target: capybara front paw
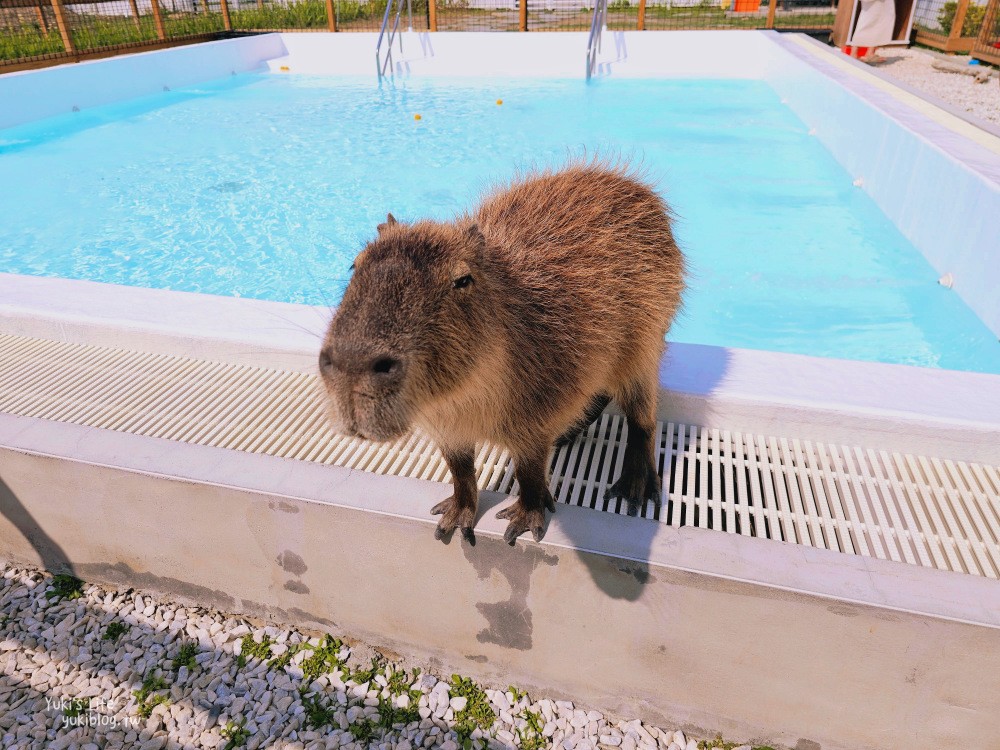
(522, 520)
(455, 516)
(635, 488)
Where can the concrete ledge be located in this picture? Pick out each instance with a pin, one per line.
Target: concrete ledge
(716, 632)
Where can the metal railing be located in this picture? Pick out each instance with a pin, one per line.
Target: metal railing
(597, 25)
(381, 66)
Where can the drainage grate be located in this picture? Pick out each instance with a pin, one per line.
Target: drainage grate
(920, 510)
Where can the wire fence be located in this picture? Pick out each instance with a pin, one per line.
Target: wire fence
(34, 32)
(987, 44)
(951, 25)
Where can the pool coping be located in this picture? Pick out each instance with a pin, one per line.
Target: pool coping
(896, 407)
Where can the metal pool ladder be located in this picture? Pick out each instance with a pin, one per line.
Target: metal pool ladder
(597, 24)
(380, 65)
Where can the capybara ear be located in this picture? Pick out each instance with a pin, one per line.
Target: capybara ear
(476, 239)
(390, 221)
(475, 234)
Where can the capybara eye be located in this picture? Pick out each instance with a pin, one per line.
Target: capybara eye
(462, 281)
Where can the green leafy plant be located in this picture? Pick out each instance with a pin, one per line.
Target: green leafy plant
(148, 696)
(363, 731)
(530, 737)
(324, 658)
(76, 708)
(186, 657)
(477, 712)
(318, 714)
(250, 649)
(64, 586)
(235, 733)
(114, 631)
(974, 16)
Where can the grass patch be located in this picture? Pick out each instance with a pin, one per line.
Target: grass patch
(64, 586)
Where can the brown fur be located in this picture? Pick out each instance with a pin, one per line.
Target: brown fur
(575, 279)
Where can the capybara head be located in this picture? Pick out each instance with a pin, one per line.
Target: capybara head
(409, 327)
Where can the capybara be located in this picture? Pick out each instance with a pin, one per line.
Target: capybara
(515, 325)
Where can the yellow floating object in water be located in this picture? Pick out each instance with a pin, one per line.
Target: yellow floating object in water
(416, 117)
(499, 101)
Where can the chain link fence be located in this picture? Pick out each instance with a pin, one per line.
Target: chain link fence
(35, 32)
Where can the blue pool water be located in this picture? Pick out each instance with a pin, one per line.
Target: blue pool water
(266, 186)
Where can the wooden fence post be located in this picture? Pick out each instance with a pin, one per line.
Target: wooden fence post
(161, 31)
(60, 14)
(772, 8)
(227, 22)
(956, 26)
(331, 16)
(432, 18)
(523, 22)
(641, 25)
(135, 13)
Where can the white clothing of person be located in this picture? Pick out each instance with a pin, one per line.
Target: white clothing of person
(875, 22)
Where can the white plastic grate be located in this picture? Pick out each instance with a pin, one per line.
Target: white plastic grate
(914, 509)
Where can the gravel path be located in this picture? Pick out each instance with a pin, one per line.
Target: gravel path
(82, 668)
(914, 68)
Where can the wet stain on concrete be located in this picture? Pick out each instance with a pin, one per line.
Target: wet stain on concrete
(478, 658)
(296, 587)
(807, 745)
(509, 622)
(283, 506)
(639, 572)
(292, 563)
(844, 610)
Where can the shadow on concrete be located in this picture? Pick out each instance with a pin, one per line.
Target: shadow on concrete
(48, 549)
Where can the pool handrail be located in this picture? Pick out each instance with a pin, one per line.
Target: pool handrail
(597, 24)
(380, 66)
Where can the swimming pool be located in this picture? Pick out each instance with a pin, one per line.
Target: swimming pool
(265, 186)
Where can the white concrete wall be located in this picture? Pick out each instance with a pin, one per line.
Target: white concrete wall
(786, 645)
(935, 176)
(35, 94)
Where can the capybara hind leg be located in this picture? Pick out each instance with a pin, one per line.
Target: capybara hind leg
(527, 513)
(459, 510)
(593, 411)
(639, 481)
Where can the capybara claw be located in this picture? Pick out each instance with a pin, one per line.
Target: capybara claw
(635, 491)
(522, 520)
(454, 516)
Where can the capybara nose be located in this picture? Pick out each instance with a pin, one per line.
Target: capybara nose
(358, 362)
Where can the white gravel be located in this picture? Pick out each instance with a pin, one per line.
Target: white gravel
(914, 68)
(173, 678)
